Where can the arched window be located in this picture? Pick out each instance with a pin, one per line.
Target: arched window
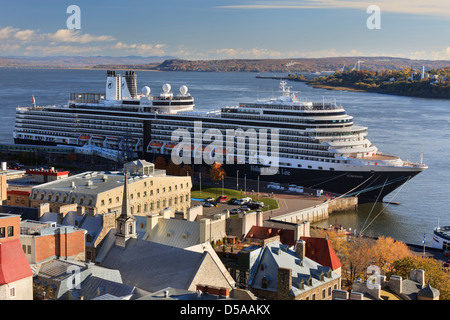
(264, 283)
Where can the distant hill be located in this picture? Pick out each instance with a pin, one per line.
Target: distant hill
(79, 61)
(300, 65)
(168, 63)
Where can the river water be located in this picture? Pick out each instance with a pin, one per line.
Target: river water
(404, 126)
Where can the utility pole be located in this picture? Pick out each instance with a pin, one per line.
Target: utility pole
(237, 180)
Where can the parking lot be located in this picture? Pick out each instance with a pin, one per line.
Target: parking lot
(210, 211)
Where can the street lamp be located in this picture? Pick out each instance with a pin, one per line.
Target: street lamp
(237, 180)
(245, 184)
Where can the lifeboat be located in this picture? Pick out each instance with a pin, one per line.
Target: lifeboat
(169, 146)
(84, 137)
(155, 145)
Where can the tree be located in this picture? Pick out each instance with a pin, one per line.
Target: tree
(387, 250)
(172, 169)
(356, 257)
(435, 275)
(187, 171)
(160, 163)
(216, 172)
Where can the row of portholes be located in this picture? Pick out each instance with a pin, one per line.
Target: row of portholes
(63, 198)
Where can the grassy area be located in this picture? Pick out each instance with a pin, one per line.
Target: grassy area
(270, 204)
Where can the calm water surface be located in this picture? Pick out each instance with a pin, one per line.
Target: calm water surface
(399, 125)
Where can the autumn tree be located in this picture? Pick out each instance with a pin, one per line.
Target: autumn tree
(386, 251)
(187, 171)
(160, 163)
(355, 257)
(435, 275)
(216, 172)
(173, 169)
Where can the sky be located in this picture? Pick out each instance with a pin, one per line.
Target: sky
(227, 29)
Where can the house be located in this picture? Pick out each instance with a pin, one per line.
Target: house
(16, 276)
(282, 273)
(321, 251)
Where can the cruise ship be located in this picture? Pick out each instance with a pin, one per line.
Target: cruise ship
(281, 140)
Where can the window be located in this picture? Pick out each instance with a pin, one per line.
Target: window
(323, 294)
(10, 231)
(2, 232)
(12, 292)
(264, 283)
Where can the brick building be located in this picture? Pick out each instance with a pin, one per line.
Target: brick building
(44, 241)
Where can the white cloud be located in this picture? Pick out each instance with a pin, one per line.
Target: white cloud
(142, 49)
(75, 36)
(436, 8)
(7, 32)
(25, 35)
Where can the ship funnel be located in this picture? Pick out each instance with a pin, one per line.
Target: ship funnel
(131, 80)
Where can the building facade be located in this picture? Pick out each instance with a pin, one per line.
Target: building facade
(16, 277)
(149, 190)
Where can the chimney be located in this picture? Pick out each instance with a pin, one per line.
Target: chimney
(300, 248)
(152, 222)
(284, 281)
(43, 208)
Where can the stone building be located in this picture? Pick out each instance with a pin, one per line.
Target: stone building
(150, 191)
(285, 274)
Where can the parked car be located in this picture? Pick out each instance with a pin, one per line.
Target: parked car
(232, 201)
(209, 199)
(208, 204)
(235, 211)
(446, 264)
(253, 205)
(222, 199)
(245, 208)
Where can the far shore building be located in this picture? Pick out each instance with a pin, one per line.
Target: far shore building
(150, 191)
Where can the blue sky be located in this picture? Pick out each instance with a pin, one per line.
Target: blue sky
(218, 29)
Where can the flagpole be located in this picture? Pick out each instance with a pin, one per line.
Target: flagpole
(423, 241)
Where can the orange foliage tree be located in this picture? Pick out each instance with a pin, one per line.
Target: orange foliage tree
(386, 251)
(216, 172)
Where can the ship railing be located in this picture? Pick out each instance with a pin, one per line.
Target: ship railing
(86, 97)
(312, 106)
